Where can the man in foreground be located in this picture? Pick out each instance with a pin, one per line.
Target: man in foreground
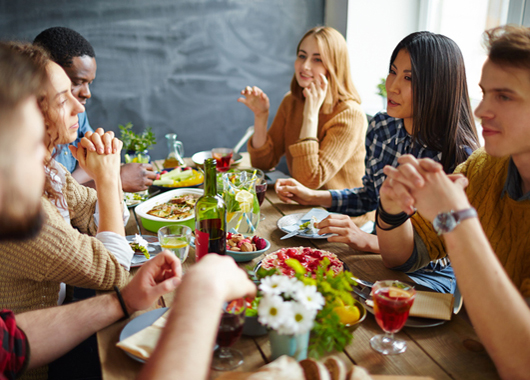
(187, 342)
(75, 55)
(486, 233)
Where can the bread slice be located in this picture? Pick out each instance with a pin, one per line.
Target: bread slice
(336, 367)
(314, 370)
(358, 373)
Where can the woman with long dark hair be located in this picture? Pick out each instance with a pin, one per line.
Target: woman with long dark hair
(428, 115)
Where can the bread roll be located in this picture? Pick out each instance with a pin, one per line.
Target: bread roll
(336, 367)
(358, 373)
(314, 370)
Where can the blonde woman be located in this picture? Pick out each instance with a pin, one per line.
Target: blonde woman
(320, 126)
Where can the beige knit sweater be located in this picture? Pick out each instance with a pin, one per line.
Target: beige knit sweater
(337, 162)
(31, 271)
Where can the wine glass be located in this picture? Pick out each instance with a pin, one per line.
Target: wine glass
(392, 303)
(226, 358)
(261, 189)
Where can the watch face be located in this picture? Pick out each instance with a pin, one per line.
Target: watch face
(444, 222)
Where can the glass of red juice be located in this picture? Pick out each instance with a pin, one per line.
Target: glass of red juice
(226, 358)
(223, 157)
(392, 302)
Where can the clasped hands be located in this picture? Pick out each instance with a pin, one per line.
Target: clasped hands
(422, 184)
(98, 153)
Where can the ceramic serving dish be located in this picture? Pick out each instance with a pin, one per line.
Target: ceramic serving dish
(153, 223)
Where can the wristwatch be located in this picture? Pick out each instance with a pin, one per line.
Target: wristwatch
(447, 221)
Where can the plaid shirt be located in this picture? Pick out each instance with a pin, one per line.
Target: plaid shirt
(386, 141)
(14, 347)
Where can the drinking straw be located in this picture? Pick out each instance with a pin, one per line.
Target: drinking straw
(252, 229)
(239, 223)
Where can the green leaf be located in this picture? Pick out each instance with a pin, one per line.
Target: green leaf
(297, 267)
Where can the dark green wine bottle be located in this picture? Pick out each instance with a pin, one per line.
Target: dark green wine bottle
(210, 216)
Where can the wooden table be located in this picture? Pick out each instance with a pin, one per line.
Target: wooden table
(449, 351)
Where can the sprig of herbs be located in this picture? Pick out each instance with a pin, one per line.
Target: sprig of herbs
(136, 142)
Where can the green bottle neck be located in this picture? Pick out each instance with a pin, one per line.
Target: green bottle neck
(210, 180)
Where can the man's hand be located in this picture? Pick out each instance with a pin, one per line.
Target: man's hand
(395, 194)
(422, 184)
(222, 273)
(347, 232)
(136, 177)
(158, 276)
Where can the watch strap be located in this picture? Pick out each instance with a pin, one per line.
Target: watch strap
(464, 214)
(447, 221)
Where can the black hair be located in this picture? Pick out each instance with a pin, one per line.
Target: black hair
(64, 44)
(442, 115)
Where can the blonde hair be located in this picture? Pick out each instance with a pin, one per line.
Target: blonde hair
(334, 55)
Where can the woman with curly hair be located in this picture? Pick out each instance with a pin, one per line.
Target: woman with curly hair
(33, 272)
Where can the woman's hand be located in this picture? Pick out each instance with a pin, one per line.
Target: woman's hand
(100, 141)
(291, 191)
(98, 166)
(315, 94)
(347, 232)
(255, 99)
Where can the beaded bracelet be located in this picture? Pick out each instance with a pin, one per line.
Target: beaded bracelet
(122, 302)
(394, 220)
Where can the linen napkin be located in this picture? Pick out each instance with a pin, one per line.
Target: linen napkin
(143, 343)
(432, 305)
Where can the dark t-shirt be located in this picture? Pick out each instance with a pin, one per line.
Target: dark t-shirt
(14, 348)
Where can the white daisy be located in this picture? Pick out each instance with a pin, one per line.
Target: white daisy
(310, 297)
(292, 288)
(276, 284)
(273, 311)
(301, 320)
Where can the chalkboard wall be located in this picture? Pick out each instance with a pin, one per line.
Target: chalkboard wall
(177, 66)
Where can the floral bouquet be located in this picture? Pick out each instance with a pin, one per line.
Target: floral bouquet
(296, 305)
(288, 305)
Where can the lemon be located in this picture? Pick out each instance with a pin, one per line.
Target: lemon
(398, 293)
(245, 199)
(173, 243)
(348, 314)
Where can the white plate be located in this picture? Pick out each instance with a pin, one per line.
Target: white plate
(199, 157)
(153, 247)
(141, 210)
(289, 220)
(139, 323)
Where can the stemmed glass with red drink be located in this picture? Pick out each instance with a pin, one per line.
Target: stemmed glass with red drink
(226, 358)
(392, 303)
